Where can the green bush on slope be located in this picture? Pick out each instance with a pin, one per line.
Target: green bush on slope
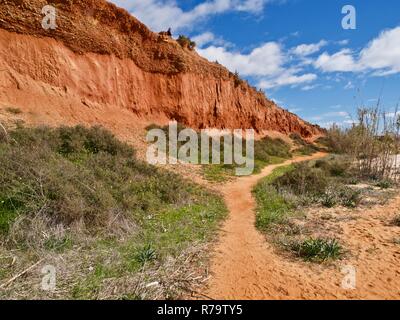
(76, 186)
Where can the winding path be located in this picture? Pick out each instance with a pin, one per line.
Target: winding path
(244, 265)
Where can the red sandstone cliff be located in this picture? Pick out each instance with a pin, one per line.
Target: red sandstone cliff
(101, 60)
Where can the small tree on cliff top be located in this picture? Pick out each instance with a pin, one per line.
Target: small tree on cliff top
(186, 42)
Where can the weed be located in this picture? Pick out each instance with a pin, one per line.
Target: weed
(329, 198)
(146, 254)
(349, 198)
(14, 110)
(58, 244)
(396, 221)
(317, 250)
(8, 213)
(384, 184)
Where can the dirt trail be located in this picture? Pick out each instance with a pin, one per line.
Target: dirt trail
(242, 267)
(246, 266)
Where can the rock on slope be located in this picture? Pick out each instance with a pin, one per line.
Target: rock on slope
(101, 60)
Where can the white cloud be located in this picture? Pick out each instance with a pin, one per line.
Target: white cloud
(208, 38)
(383, 52)
(309, 87)
(330, 115)
(308, 49)
(204, 38)
(344, 42)
(251, 5)
(265, 60)
(342, 61)
(163, 14)
(287, 78)
(381, 55)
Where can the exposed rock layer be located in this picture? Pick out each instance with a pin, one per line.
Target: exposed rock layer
(101, 57)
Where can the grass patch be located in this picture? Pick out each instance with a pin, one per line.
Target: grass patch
(77, 187)
(58, 245)
(384, 184)
(317, 250)
(8, 213)
(272, 208)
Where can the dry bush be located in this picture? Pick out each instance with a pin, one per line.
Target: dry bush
(373, 143)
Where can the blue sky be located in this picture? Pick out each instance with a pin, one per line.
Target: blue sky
(295, 50)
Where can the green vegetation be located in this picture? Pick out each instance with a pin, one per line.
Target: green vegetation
(317, 250)
(267, 151)
(272, 208)
(237, 79)
(145, 254)
(303, 147)
(14, 110)
(281, 197)
(79, 191)
(322, 181)
(186, 42)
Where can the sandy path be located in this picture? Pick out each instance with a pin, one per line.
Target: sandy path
(245, 266)
(241, 266)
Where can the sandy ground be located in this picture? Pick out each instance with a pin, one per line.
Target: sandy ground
(246, 266)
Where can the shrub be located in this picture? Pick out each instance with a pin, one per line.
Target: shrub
(68, 188)
(384, 184)
(317, 250)
(237, 80)
(329, 198)
(349, 198)
(303, 180)
(77, 174)
(14, 110)
(396, 221)
(267, 147)
(186, 42)
(305, 148)
(372, 142)
(334, 167)
(298, 139)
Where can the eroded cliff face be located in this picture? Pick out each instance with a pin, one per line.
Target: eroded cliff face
(101, 60)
